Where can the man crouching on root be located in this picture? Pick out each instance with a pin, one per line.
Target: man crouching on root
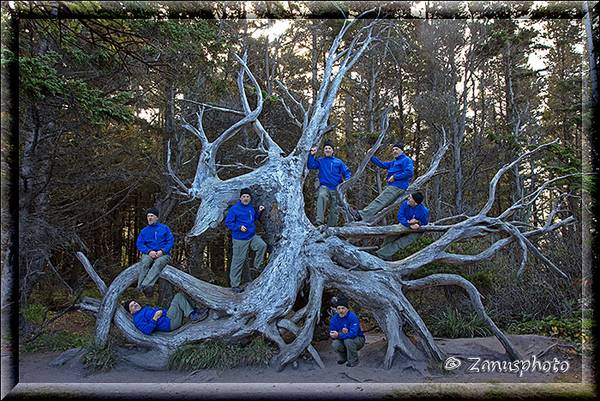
(344, 329)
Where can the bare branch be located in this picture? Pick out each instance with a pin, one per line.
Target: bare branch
(171, 174)
(475, 297)
(494, 182)
(341, 189)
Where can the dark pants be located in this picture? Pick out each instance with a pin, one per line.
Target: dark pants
(347, 349)
(180, 307)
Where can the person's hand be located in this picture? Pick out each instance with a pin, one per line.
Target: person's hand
(333, 334)
(344, 330)
(370, 149)
(413, 221)
(243, 228)
(152, 254)
(261, 208)
(159, 253)
(313, 151)
(157, 314)
(391, 179)
(415, 226)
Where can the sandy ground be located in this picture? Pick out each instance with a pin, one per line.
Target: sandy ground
(35, 368)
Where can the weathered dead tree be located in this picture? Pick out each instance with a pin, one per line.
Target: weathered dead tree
(304, 256)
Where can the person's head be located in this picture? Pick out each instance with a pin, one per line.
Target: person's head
(341, 306)
(397, 149)
(152, 215)
(415, 199)
(245, 196)
(131, 306)
(328, 148)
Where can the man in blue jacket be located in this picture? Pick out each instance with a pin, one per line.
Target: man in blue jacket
(331, 170)
(241, 220)
(154, 242)
(149, 319)
(412, 214)
(344, 329)
(400, 171)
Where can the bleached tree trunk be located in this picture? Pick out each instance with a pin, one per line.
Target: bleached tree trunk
(302, 254)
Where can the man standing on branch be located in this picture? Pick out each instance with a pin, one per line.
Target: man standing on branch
(148, 319)
(400, 171)
(331, 170)
(154, 242)
(241, 220)
(412, 214)
(344, 329)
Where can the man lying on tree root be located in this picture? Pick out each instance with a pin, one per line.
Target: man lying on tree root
(344, 329)
(331, 170)
(400, 171)
(154, 242)
(148, 319)
(241, 220)
(412, 214)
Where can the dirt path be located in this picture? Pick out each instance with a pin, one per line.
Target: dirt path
(34, 368)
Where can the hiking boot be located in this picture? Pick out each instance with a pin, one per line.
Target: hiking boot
(351, 364)
(341, 362)
(198, 315)
(237, 289)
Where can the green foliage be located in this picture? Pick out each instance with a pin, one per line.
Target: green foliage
(217, 354)
(58, 341)
(38, 76)
(35, 313)
(452, 324)
(573, 329)
(98, 359)
(40, 79)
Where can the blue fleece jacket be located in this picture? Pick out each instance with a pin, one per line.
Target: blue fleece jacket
(350, 321)
(142, 319)
(154, 237)
(331, 169)
(407, 213)
(401, 168)
(242, 215)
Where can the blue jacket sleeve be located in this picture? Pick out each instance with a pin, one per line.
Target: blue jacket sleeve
(379, 163)
(346, 171)
(352, 330)
(170, 240)
(230, 220)
(332, 323)
(407, 171)
(257, 214)
(402, 215)
(146, 326)
(312, 163)
(425, 219)
(140, 243)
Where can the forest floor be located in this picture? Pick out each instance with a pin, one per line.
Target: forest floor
(35, 367)
(367, 380)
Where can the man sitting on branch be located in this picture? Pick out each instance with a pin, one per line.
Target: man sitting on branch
(412, 214)
(400, 171)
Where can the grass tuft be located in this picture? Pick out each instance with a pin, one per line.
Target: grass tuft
(98, 359)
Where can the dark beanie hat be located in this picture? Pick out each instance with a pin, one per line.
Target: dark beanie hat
(328, 143)
(153, 211)
(341, 301)
(398, 145)
(245, 191)
(418, 197)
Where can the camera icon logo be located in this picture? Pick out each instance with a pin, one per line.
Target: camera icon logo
(452, 363)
